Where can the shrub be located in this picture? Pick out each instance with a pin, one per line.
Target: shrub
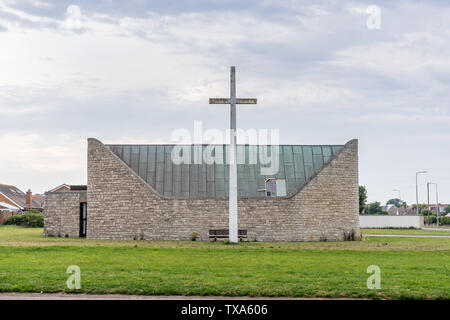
(15, 219)
(350, 236)
(431, 219)
(30, 219)
(444, 220)
(33, 211)
(426, 212)
(374, 208)
(194, 236)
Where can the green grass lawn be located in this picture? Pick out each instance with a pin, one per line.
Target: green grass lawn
(405, 231)
(410, 267)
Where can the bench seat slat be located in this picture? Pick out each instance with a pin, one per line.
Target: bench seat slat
(224, 233)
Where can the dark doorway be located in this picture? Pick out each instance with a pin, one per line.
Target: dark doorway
(83, 219)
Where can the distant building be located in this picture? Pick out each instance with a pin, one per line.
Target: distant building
(393, 210)
(14, 199)
(408, 211)
(39, 199)
(402, 211)
(441, 208)
(4, 206)
(63, 187)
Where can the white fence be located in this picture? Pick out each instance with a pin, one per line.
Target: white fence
(372, 221)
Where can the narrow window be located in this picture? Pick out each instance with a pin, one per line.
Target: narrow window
(83, 219)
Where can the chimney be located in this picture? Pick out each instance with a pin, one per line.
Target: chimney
(29, 199)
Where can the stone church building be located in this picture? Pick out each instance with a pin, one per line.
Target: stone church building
(138, 192)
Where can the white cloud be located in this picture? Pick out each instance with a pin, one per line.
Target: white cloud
(411, 56)
(40, 161)
(357, 10)
(23, 15)
(42, 152)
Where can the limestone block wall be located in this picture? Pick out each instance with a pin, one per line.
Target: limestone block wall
(62, 213)
(121, 205)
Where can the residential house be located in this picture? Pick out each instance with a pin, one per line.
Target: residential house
(441, 208)
(14, 199)
(63, 187)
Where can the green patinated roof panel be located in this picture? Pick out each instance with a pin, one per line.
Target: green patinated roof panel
(153, 163)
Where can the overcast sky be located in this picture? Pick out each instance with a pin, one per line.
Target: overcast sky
(134, 71)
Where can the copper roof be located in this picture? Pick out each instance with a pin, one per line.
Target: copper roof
(153, 163)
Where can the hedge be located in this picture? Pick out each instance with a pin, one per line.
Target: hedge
(432, 220)
(27, 219)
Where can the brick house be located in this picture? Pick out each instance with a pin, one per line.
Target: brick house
(138, 192)
(14, 199)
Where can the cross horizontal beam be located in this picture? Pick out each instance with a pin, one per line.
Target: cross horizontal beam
(228, 101)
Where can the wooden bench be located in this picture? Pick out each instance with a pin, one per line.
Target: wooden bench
(215, 234)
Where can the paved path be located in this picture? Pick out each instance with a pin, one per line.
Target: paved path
(407, 235)
(440, 229)
(82, 296)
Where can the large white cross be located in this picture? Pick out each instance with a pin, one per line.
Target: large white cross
(232, 101)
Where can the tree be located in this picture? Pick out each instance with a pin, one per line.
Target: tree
(426, 212)
(422, 206)
(396, 202)
(375, 208)
(362, 198)
(447, 209)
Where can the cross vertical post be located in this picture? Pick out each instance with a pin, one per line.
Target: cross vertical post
(233, 194)
(233, 206)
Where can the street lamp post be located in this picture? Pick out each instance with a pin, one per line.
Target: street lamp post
(437, 203)
(417, 191)
(437, 206)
